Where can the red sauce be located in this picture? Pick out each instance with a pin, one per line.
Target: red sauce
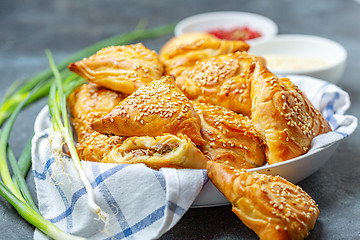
(237, 33)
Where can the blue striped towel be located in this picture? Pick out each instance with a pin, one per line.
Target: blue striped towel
(144, 203)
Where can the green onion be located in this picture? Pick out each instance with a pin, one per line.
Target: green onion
(57, 108)
(24, 161)
(19, 180)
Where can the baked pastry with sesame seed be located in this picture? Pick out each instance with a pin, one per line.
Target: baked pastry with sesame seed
(182, 52)
(89, 102)
(223, 80)
(156, 152)
(96, 147)
(271, 206)
(230, 137)
(154, 109)
(120, 68)
(285, 118)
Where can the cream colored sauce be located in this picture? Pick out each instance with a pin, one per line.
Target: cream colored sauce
(285, 62)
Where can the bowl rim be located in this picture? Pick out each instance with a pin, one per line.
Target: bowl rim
(272, 29)
(306, 38)
(292, 160)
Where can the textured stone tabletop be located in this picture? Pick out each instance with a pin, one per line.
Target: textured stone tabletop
(64, 26)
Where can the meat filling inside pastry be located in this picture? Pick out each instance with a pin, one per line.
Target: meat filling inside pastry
(271, 206)
(285, 118)
(156, 152)
(182, 52)
(120, 68)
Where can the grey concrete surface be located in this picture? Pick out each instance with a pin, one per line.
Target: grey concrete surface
(64, 26)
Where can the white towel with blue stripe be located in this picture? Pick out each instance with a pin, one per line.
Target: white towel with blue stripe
(144, 203)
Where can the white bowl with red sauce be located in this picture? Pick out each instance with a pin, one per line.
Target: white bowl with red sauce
(297, 54)
(249, 27)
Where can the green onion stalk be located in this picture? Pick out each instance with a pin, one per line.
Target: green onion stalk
(22, 93)
(19, 176)
(62, 130)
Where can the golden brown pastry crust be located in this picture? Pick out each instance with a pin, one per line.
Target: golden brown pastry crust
(285, 118)
(184, 51)
(153, 110)
(120, 68)
(89, 102)
(271, 206)
(156, 152)
(96, 146)
(230, 137)
(223, 80)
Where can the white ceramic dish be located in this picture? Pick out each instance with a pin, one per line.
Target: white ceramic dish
(227, 20)
(305, 47)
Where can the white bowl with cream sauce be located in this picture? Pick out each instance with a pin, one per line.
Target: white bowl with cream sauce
(303, 55)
